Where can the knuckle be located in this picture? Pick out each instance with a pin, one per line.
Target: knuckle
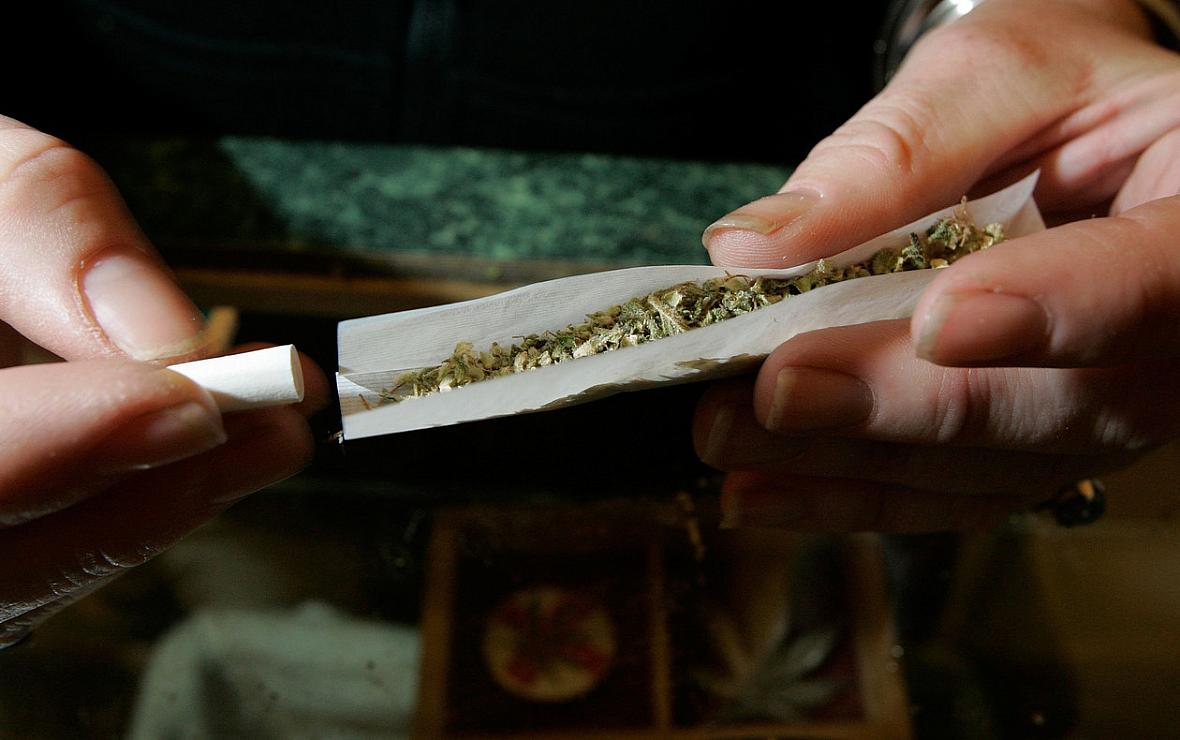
(1021, 407)
(875, 143)
(891, 136)
(51, 174)
(38, 155)
(1119, 430)
(955, 410)
(973, 406)
(977, 45)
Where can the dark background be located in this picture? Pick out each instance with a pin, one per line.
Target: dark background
(707, 80)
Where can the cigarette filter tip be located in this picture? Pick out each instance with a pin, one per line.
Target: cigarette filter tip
(250, 380)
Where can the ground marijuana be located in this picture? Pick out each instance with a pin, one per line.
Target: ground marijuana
(684, 307)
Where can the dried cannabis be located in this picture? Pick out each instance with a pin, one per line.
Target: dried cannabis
(684, 307)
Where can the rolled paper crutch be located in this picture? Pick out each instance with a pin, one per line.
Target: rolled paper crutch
(250, 380)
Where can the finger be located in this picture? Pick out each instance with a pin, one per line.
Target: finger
(1082, 168)
(71, 429)
(918, 146)
(75, 550)
(1084, 158)
(77, 276)
(1156, 175)
(728, 437)
(1091, 199)
(804, 503)
(864, 381)
(1099, 292)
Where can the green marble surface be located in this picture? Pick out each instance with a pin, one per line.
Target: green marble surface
(368, 200)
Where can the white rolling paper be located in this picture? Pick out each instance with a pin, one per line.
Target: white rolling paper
(250, 380)
(374, 351)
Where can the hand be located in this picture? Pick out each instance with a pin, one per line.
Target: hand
(108, 458)
(1043, 360)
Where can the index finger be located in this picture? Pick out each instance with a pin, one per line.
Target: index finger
(77, 275)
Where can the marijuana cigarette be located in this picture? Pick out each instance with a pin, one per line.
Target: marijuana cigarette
(249, 380)
(684, 307)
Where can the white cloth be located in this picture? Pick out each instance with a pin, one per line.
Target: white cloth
(309, 673)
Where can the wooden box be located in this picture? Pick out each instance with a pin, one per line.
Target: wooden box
(656, 571)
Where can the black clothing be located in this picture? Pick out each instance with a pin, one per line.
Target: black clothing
(693, 79)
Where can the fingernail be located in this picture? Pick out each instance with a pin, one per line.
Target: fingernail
(161, 437)
(809, 398)
(739, 510)
(139, 308)
(718, 437)
(764, 216)
(964, 328)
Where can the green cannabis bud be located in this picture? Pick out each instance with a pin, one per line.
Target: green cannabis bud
(685, 307)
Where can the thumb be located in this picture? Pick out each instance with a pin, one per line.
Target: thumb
(73, 429)
(969, 93)
(77, 276)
